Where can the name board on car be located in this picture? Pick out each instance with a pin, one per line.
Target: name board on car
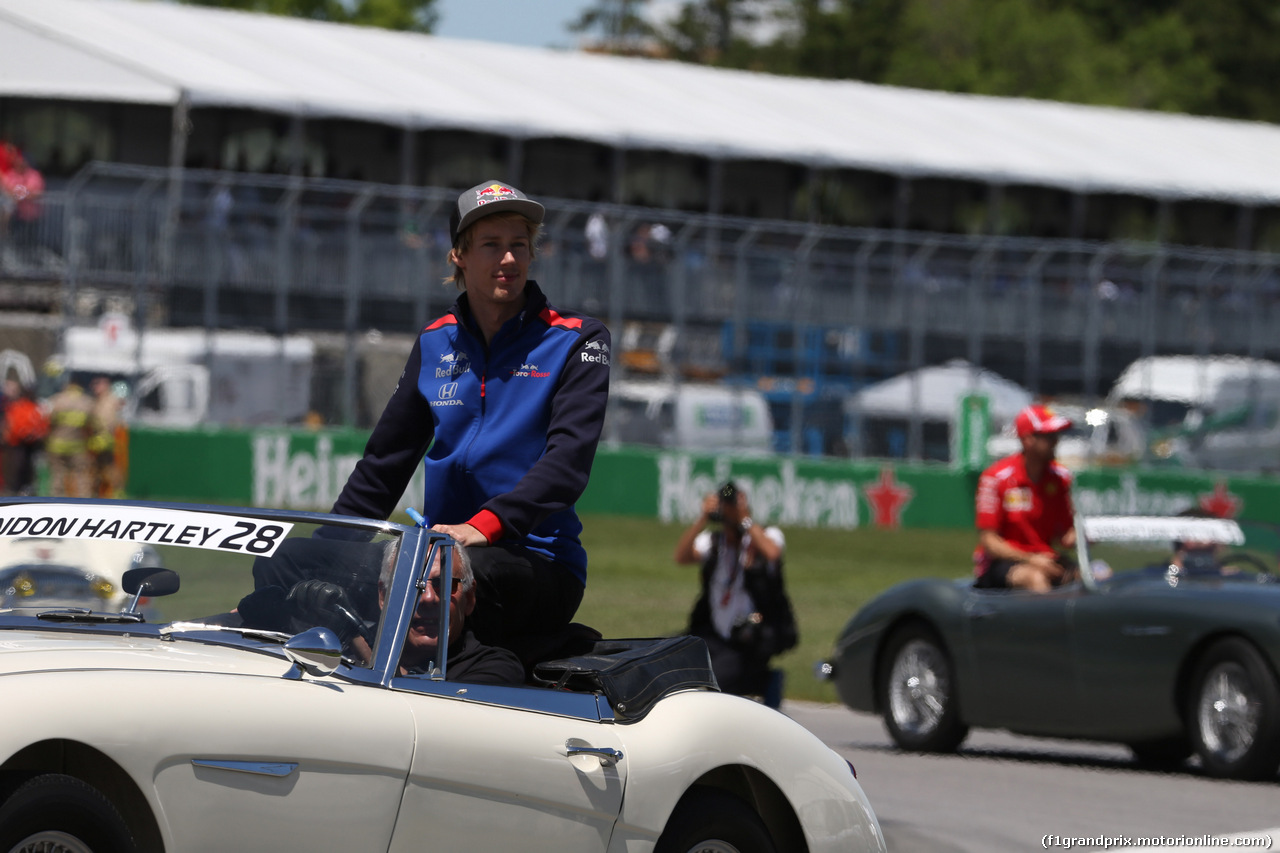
(1157, 528)
(214, 531)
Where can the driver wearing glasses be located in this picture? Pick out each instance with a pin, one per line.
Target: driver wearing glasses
(469, 659)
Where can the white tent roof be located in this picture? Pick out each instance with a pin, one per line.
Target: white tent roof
(936, 391)
(156, 52)
(1188, 379)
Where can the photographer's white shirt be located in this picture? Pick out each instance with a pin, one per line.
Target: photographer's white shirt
(730, 602)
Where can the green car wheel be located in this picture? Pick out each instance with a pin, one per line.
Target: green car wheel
(917, 692)
(1234, 712)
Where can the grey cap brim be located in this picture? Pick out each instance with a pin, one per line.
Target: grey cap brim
(526, 207)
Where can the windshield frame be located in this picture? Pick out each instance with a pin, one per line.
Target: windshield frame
(411, 543)
(1136, 529)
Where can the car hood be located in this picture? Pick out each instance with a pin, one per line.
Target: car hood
(43, 651)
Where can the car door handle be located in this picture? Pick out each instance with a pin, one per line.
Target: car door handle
(258, 768)
(608, 755)
(983, 613)
(1145, 630)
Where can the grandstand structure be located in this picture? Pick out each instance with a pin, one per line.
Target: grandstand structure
(219, 168)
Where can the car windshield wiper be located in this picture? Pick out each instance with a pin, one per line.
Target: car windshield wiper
(80, 614)
(256, 633)
(168, 631)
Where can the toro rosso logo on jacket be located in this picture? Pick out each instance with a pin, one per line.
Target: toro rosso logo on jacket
(452, 365)
(447, 395)
(531, 370)
(595, 352)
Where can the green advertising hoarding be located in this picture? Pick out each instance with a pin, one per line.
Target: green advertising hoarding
(972, 429)
(306, 469)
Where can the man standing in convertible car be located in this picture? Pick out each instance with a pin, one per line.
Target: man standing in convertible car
(505, 397)
(1024, 510)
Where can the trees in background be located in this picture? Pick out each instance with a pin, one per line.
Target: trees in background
(411, 15)
(1206, 57)
(619, 27)
(1195, 56)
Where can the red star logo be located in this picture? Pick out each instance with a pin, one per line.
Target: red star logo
(888, 498)
(1221, 503)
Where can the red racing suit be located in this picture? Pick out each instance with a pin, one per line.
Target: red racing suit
(1030, 516)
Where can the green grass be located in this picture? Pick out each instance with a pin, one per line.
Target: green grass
(635, 589)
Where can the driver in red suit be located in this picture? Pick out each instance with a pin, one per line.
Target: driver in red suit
(1024, 510)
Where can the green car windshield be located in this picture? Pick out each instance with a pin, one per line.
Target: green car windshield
(1176, 549)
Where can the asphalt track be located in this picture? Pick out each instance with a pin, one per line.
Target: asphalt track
(1003, 793)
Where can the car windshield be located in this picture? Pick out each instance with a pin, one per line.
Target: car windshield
(1180, 549)
(260, 574)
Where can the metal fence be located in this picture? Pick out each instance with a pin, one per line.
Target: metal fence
(806, 313)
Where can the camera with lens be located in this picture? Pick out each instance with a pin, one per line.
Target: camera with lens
(728, 495)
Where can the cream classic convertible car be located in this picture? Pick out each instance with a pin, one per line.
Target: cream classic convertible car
(226, 717)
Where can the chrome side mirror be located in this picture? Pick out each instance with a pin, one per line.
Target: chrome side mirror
(316, 651)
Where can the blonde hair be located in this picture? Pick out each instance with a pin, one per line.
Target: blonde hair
(464, 242)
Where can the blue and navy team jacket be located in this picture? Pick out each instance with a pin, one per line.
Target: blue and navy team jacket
(509, 432)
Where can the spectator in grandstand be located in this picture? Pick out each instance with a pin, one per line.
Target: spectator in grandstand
(505, 395)
(8, 155)
(1024, 511)
(597, 234)
(21, 188)
(25, 428)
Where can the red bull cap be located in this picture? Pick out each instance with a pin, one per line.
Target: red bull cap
(487, 198)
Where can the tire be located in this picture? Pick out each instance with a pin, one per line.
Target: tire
(713, 821)
(61, 814)
(1233, 712)
(916, 692)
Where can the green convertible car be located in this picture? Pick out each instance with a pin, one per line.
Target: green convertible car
(1169, 642)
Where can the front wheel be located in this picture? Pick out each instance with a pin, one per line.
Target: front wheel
(53, 813)
(1234, 712)
(917, 692)
(714, 822)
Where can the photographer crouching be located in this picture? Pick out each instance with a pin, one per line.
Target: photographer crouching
(742, 613)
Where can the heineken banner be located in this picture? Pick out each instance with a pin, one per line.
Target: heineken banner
(306, 469)
(299, 469)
